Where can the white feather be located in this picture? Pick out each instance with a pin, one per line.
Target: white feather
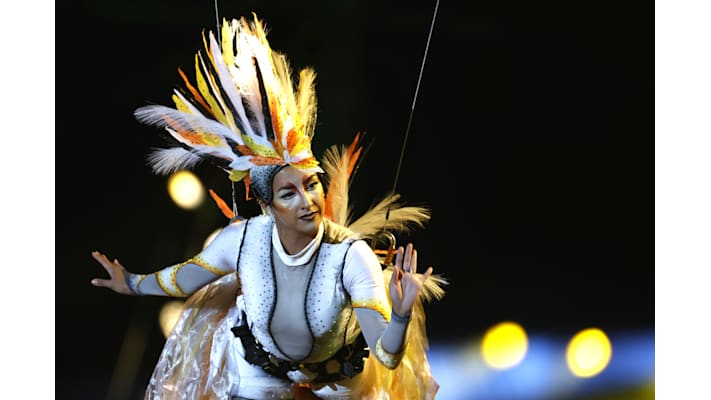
(167, 161)
(156, 115)
(217, 94)
(244, 73)
(191, 107)
(229, 85)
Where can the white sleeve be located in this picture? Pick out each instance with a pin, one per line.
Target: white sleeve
(363, 279)
(180, 280)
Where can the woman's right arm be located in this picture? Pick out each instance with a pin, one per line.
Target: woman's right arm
(219, 258)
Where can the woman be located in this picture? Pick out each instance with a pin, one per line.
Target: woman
(293, 302)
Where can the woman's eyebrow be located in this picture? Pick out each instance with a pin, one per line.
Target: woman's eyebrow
(286, 186)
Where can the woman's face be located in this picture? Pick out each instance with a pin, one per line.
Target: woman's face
(298, 203)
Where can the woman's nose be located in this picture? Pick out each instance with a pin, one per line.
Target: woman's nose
(306, 199)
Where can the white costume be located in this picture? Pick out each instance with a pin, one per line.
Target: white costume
(241, 333)
(341, 273)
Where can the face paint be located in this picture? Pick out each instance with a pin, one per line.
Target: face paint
(262, 177)
(297, 204)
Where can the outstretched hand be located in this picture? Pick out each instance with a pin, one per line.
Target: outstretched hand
(117, 274)
(405, 283)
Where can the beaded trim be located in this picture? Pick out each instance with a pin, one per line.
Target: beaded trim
(374, 305)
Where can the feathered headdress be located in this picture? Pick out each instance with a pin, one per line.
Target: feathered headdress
(243, 111)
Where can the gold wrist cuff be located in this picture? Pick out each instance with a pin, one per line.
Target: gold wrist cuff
(389, 360)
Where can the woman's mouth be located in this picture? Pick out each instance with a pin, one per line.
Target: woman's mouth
(310, 216)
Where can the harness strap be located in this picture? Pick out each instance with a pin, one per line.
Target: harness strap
(350, 359)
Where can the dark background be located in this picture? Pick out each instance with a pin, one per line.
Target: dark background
(531, 141)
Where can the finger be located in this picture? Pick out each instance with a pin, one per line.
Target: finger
(97, 256)
(396, 283)
(395, 277)
(108, 266)
(427, 274)
(408, 258)
(413, 262)
(398, 257)
(100, 258)
(100, 282)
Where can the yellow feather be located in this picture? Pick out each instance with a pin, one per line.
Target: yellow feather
(180, 105)
(263, 151)
(215, 109)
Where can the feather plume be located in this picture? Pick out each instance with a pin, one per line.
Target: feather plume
(306, 100)
(242, 110)
(339, 165)
(222, 205)
(167, 161)
(401, 219)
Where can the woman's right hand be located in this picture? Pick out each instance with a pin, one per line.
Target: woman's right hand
(117, 274)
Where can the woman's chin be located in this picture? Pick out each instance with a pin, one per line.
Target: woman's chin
(311, 225)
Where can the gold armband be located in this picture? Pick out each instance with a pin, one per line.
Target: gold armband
(206, 266)
(389, 360)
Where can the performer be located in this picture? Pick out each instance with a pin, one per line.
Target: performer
(292, 303)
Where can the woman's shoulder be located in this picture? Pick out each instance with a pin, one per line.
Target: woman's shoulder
(240, 224)
(336, 233)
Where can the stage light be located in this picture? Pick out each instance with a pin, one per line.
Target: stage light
(186, 190)
(168, 315)
(504, 345)
(588, 352)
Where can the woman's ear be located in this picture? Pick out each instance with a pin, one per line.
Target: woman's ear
(265, 208)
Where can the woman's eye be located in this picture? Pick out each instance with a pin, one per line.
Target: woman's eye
(312, 185)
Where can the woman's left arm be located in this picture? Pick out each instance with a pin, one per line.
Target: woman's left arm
(384, 331)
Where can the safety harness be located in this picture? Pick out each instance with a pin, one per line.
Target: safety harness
(345, 363)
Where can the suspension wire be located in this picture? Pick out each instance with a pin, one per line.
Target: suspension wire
(412, 108)
(217, 23)
(409, 121)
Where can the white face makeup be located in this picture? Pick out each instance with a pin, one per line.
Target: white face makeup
(298, 203)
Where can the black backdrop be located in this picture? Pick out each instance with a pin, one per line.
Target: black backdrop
(531, 141)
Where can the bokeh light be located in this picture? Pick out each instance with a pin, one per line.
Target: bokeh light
(169, 314)
(504, 345)
(186, 190)
(588, 352)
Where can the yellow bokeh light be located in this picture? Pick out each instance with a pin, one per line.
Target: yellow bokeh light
(186, 190)
(588, 353)
(169, 314)
(504, 345)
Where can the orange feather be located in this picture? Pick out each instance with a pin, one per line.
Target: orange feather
(192, 90)
(222, 205)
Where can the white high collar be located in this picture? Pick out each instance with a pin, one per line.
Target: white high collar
(303, 256)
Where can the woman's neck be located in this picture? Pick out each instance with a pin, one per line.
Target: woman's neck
(292, 243)
(298, 250)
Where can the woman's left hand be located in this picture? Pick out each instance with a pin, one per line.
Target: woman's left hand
(405, 283)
